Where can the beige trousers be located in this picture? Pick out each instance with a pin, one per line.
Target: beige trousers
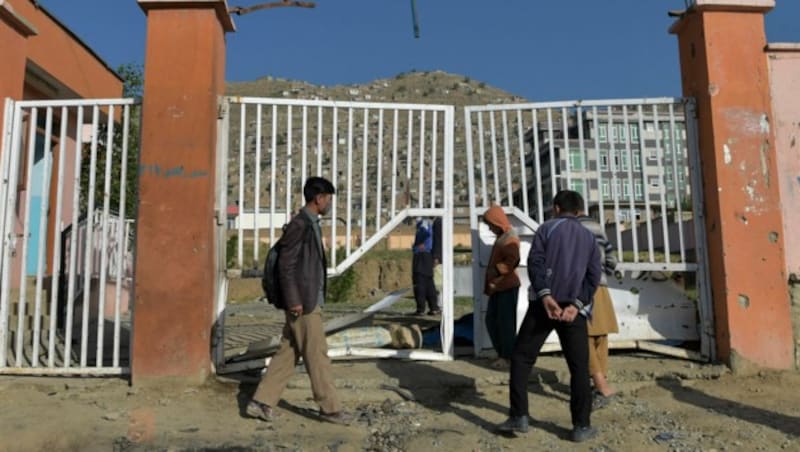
(304, 337)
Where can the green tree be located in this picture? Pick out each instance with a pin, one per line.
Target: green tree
(133, 78)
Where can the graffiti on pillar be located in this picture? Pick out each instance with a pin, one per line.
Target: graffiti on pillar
(170, 172)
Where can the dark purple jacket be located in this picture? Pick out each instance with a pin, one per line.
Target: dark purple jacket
(564, 262)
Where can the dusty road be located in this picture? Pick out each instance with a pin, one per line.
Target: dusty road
(666, 405)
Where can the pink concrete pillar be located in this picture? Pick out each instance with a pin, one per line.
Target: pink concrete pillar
(175, 277)
(14, 33)
(723, 65)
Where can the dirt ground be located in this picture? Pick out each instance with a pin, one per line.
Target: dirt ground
(665, 404)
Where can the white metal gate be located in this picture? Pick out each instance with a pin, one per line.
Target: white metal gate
(67, 267)
(635, 162)
(388, 162)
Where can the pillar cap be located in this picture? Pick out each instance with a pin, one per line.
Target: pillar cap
(784, 47)
(733, 5)
(221, 7)
(751, 6)
(19, 23)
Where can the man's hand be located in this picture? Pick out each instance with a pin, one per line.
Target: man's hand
(569, 313)
(552, 307)
(295, 311)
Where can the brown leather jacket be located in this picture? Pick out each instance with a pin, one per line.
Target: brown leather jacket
(301, 265)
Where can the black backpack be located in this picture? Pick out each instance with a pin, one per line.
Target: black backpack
(269, 280)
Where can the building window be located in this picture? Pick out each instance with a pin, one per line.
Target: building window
(615, 157)
(637, 161)
(652, 154)
(606, 192)
(577, 185)
(604, 161)
(635, 133)
(624, 161)
(614, 133)
(637, 187)
(655, 182)
(626, 189)
(616, 189)
(601, 133)
(576, 160)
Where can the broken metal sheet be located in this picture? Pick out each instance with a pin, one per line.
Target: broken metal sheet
(256, 353)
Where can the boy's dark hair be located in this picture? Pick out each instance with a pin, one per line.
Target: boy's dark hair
(569, 201)
(317, 186)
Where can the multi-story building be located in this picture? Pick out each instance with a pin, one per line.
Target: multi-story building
(626, 159)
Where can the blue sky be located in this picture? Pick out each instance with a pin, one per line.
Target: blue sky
(541, 50)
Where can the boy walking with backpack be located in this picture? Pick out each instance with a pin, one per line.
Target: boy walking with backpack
(301, 270)
(564, 269)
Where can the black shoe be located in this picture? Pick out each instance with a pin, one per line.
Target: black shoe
(417, 313)
(518, 424)
(581, 434)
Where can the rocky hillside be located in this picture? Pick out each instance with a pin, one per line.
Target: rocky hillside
(434, 87)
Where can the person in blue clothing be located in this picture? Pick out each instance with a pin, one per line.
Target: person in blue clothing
(564, 269)
(422, 270)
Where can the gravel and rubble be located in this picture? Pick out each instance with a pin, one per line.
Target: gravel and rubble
(664, 405)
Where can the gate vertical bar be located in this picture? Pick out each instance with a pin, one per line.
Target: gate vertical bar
(536, 155)
(87, 270)
(10, 184)
(349, 209)
(242, 136)
(394, 161)
(507, 155)
(104, 238)
(257, 191)
(364, 190)
(434, 140)
(288, 162)
(122, 235)
(708, 344)
(643, 175)
(273, 164)
(676, 181)
(522, 167)
(379, 183)
(56, 270)
(630, 183)
(473, 221)
(73, 241)
(447, 235)
(40, 258)
(23, 283)
(421, 162)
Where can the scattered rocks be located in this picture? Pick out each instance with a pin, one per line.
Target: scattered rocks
(112, 416)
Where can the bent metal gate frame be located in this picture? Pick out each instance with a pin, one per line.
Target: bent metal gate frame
(636, 163)
(389, 163)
